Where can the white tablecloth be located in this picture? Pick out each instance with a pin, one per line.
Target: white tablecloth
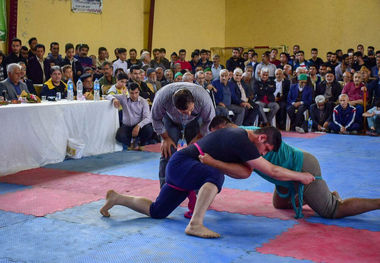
(33, 135)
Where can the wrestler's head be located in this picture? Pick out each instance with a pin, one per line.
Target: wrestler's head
(220, 122)
(184, 101)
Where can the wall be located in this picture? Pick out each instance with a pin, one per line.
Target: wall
(120, 25)
(327, 25)
(189, 24)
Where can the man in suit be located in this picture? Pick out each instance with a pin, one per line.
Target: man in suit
(13, 86)
(281, 97)
(38, 69)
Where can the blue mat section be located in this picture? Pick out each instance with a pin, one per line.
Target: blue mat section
(9, 188)
(10, 218)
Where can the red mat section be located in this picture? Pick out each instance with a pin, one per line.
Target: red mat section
(42, 201)
(153, 148)
(330, 244)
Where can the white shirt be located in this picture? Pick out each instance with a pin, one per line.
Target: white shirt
(278, 88)
(120, 64)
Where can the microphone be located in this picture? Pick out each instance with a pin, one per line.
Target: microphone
(4, 94)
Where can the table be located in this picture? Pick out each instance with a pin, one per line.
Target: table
(33, 135)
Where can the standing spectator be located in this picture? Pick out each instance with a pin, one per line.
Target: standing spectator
(320, 114)
(173, 59)
(301, 62)
(157, 60)
(216, 67)
(313, 77)
(281, 95)
(54, 58)
(32, 44)
(107, 80)
(315, 60)
(145, 92)
(283, 60)
(54, 84)
(342, 67)
(194, 62)
(102, 57)
(15, 55)
(165, 61)
(204, 62)
(358, 61)
(375, 69)
(83, 58)
(270, 68)
(299, 100)
(2, 68)
(235, 61)
(344, 116)
(69, 59)
(265, 98)
(38, 69)
(182, 60)
(137, 123)
(121, 62)
(133, 58)
(273, 57)
(13, 86)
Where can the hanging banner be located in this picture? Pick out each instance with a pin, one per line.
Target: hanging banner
(3, 21)
(87, 6)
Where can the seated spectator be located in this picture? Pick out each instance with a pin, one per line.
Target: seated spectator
(342, 67)
(25, 53)
(373, 118)
(133, 58)
(38, 69)
(322, 71)
(315, 60)
(344, 116)
(299, 99)
(270, 68)
(120, 87)
(54, 58)
(12, 86)
(347, 78)
(24, 79)
(320, 114)
(330, 89)
(152, 82)
(248, 78)
(145, 92)
(245, 96)
(88, 86)
(208, 76)
(264, 90)
(281, 95)
(168, 77)
(54, 84)
(288, 73)
(235, 61)
(358, 61)
(107, 80)
(200, 79)
(2, 70)
(300, 61)
(178, 77)
(137, 120)
(313, 77)
(182, 60)
(83, 58)
(67, 73)
(102, 57)
(158, 61)
(164, 60)
(188, 77)
(177, 68)
(226, 99)
(160, 74)
(374, 91)
(121, 62)
(366, 73)
(355, 90)
(375, 69)
(173, 59)
(204, 62)
(69, 59)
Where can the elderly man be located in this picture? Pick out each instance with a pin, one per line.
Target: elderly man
(169, 77)
(281, 97)
(200, 79)
(152, 82)
(344, 116)
(320, 114)
(329, 88)
(188, 77)
(137, 123)
(176, 114)
(54, 84)
(299, 100)
(12, 86)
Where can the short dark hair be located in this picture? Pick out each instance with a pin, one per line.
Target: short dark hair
(193, 54)
(358, 54)
(350, 50)
(266, 53)
(344, 56)
(182, 50)
(24, 48)
(68, 46)
(203, 51)
(83, 46)
(329, 53)
(360, 45)
(133, 86)
(121, 76)
(174, 54)
(2, 54)
(163, 50)
(371, 47)
(101, 49)
(40, 46)
(133, 50)
(218, 120)
(77, 46)
(181, 99)
(53, 43)
(273, 136)
(17, 40)
(31, 40)
(301, 51)
(236, 48)
(121, 50)
(156, 50)
(105, 63)
(314, 49)
(134, 67)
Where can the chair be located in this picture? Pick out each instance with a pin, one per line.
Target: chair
(256, 123)
(287, 125)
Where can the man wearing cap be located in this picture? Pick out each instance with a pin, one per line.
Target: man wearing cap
(320, 114)
(176, 113)
(152, 82)
(299, 100)
(178, 77)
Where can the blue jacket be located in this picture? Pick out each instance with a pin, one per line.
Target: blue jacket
(344, 117)
(248, 93)
(307, 95)
(219, 94)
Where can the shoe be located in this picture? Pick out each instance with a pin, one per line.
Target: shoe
(299, 130)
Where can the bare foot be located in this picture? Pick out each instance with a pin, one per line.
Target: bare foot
(200, 231)
(335, 193)
(111, 198)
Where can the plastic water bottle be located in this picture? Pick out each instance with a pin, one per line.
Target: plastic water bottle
(309, 125)
(96, 90)
(70, 90)
(79, 90)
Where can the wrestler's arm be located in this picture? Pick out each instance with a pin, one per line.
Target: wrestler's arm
(279, 173)
(234, 170)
